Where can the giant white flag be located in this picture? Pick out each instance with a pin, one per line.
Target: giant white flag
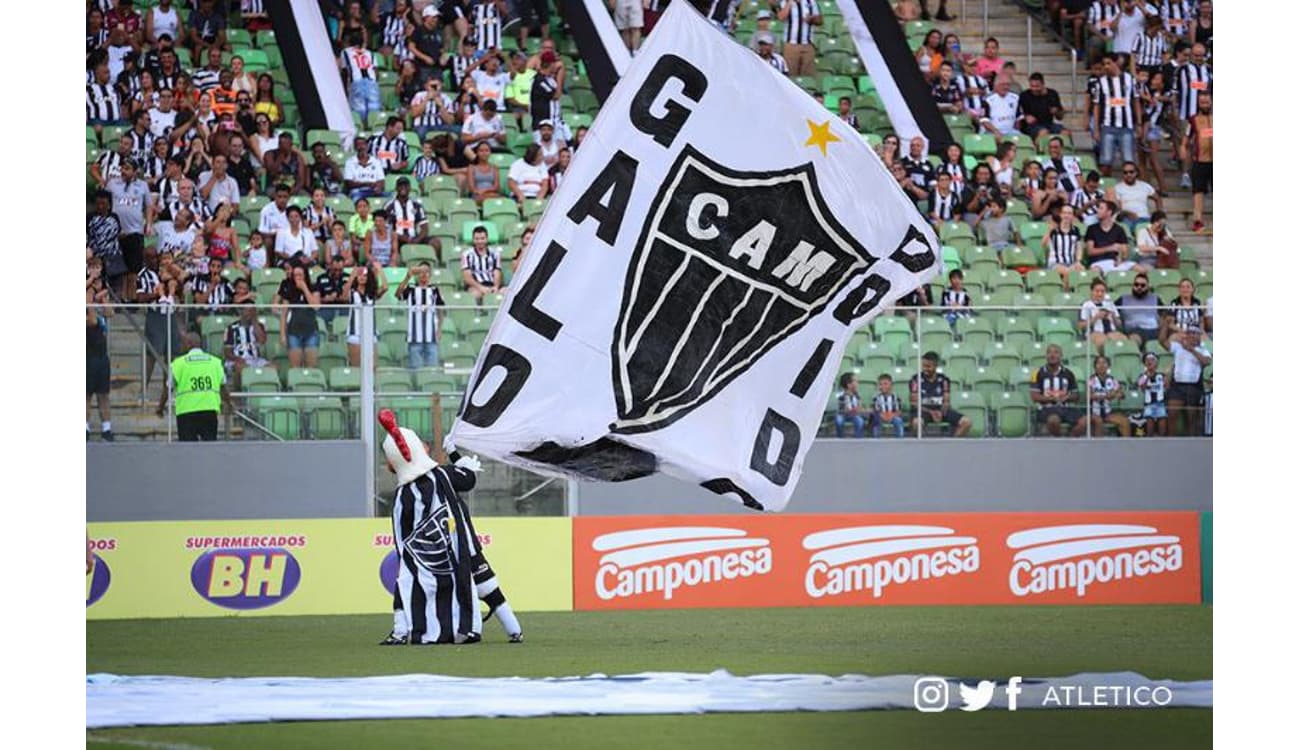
(688, 295)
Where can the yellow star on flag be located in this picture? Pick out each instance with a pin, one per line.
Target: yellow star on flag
(820, 135)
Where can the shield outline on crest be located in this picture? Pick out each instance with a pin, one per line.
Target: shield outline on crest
(806, 175)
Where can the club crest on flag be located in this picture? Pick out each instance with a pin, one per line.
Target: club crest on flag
(729, 263)
(686, 301)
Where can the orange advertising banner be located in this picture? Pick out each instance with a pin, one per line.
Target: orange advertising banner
(792, 560)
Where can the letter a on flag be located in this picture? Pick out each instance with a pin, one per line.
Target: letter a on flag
(688, 295)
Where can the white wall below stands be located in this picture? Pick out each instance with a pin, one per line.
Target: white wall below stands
(889, 476)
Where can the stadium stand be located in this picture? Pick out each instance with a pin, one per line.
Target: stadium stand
(203, 121)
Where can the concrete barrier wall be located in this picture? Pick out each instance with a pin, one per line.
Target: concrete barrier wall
(325, 479)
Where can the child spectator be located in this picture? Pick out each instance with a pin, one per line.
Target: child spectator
(1103, 389)
(255, 255)
(1152, 385)
(999, 232)
(955, 300)
(850, 407)
(846, 112)
(886, 407)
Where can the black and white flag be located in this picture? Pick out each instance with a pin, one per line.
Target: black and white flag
(692, 285)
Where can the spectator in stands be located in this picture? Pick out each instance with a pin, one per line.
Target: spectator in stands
(206, 78)
(889, 149)
(425, 43)
(325, 173)
(849, 408)
(142, 137)
(1099, 318)
(931, 398)
(766, 42)
(432, 110)
(341, 244)
(1197, 149)
(381, 244)
(109, 163)
(1087, 199)
(525, 240)
(955, 300)
(240, 79)
(1102, 18)
(1151, 133)
(490, 80)
(1000, 108)
(366, 285)
(1187, 392)
(286, 165)
(999, 233)
(1104, 391)
(396, 27)
(1116, 114)
(628, 19)
(222, 239)
(122, 14)
(484, 126)
(483, 178)
(98, 367)
(213, 290)
(913, 191)
(1003, 165)
(929, 56)
(239, 165)
(256, 254)
(1184, 313)
(424, 317)
(1140, 312)
(762, 25)
(410, 224)
(550, 145)
(1128, 29)
(216, 186)
(1151, 383)
(990, 63)
(528, 177)
(262, 139)
(426, 164)
(946, 93)
(1067, 166)
(1062, 245)
(297, 304)
(207, 27)
(519, 91)
(390, 148)
(1134, 197)
(159, 328)
(243, 343)
(329, 285)
(1054, 388)
(103, 229)
(981, 190)
(1156, 247)
(162, 118)
(945, 203)
(130, 198)
(295, 244)
(799, 17)
(363, 175)
(886, 408)
(1105, 242)
(361, 224)
(1041, 111)
(274, 216)
(1050, 198)
(358, 66)
(1072, 15)
(481, 267)
(318, 216)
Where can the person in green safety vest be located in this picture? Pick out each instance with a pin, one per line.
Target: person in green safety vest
(199, 384)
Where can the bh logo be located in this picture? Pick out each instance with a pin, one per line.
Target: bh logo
(388, 572)
(97, 580)
(245, 578)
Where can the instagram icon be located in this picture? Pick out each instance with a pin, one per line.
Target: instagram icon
(930, 694)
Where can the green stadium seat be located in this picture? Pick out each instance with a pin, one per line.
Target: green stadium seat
(892, 330)
(434, 380)
(975, 331)
(213, 330)
(972, 406)
(1024, 144)
(875, 356)
(1005, 279)
(979, 144)
(988, 383)
(1021, 378)
(306, 380)
(977, 256)
(1002, 356)
(1017, 211)
(957, 352)
(264, 39)
(935, 332)
(260, 380)
(1045, 282)
(1013, 414)
(1017, 329)
(957, 234)
(345, 379)
(1057, 330)
(414, 412)
(1031, 232)
(280, 415)
(1017, 257)
(393, 381)
(333, 354)
(325, 417)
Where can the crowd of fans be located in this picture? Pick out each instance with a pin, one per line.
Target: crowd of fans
(203, 177)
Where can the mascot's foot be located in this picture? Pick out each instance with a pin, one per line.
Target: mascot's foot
(516, 637)
(393, 640)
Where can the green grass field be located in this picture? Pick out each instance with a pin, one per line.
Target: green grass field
(1160, 642)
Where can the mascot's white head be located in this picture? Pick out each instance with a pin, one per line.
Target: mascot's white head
(405, 451)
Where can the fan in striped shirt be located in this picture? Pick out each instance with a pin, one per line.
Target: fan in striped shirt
(1150, 49)
(955, 300)
(1086, 199)
(481, 267)
(887, 408)
(1116, 114)
(103, 107)
(1177, 16)
(487, 23)
(394, 30)
(974, 88)
(1191, 79)
(945, 202)
(390, 148)
(244, 340)
(211, 288)
(766, 40)
(1062, 244)
(424, 315)
(109, 163)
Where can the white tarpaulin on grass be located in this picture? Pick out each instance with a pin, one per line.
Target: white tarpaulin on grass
(690, 290)
(118, 701)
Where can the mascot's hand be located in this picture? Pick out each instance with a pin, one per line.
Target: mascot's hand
(448, 446)
(470, 463)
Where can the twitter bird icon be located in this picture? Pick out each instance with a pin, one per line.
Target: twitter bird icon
(976, 698)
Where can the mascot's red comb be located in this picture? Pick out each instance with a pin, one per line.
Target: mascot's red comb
(389, 420)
